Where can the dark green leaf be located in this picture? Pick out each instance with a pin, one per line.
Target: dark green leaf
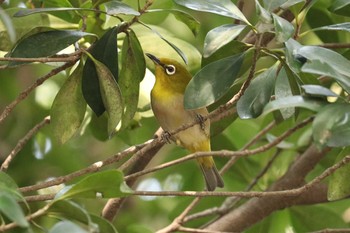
(111, 95)
(11, 209)
(339, 185)
(212, 82)
(258, 94)
(182, 16)
(106, 184)
(223, 7)
(67, 226)
(117, 7)
(331, 126)
(294, 101)
(219, 36)
(318, 90)
(282, 90)
(131, 74)
(105, 51)
(341, 7)
(45, 44)
(284, 29)
(326, 62)
(68, 108)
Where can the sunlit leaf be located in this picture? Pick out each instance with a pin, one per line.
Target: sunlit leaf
(339, 185)
(68, 108)
(131, 74)
(105, 51)
(223, 7)
(340, 7)
(294, 101)
(219, 36)
(318, 90)
(258, 94)
(292, 47)
(290, 3)
(284, 29)
(11, 209)
(106, 184)
(212, 82)
(178, 51)
(264, 15)
(45, 44)
(110, 94)
(117, 7)
(9, 27)
(67, 226)
(331, 126)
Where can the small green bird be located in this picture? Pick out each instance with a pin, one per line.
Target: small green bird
(167, 100)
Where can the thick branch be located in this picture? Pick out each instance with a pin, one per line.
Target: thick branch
(257, 209)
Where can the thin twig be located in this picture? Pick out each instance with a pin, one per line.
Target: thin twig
(9, 108)
(65, 58)
(335, 45)
(21, 143)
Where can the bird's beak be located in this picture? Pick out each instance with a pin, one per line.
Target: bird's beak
(154, 59)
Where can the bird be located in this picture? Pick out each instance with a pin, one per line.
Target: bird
(167, 102)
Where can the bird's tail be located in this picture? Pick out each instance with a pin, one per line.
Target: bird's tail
(211, 174)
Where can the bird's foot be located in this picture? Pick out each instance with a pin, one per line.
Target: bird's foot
(166, 137)
(201, 121)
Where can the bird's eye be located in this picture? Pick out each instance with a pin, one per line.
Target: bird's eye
(170, 69)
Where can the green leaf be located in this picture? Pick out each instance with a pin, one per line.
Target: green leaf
(105, 51)
(284, 29)
(220, 36)
(67, 226)
(117, 7)
(258, 94)
(131, 74)
(212, 82)
(335, 27)
(11, 209)
(283, 89)
(177, 50)
(339, 185)
(182, 16)
(73, 211)
(331, 126)
(320, 17)
(294, 101)
(106, 183)
(340, 7)
(26, 12)
(290, 3)
(318, 90)
(68, 108)
(111, 95)
(326, 62)
(8, 185)
(264, 15)
(291, 47)
(45, 44)
(223, 7)
(8, 25)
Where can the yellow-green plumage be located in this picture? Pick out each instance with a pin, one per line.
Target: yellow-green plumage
(167, 98)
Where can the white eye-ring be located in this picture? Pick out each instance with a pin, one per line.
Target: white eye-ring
(170, 69)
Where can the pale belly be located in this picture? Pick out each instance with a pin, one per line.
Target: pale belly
(171, 115)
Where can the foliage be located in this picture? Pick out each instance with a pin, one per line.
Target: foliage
(274, 75)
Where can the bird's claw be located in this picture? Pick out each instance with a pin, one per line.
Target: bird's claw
(166, 137)
(201, 121)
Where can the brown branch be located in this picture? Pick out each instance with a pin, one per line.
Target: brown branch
(66, 58)
(258, 208)
(21, 143)
(335, 45)
(9, 108)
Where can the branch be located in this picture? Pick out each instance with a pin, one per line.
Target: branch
(21, 143)
(258, 208)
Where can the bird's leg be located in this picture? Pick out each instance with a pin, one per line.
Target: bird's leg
(166, 137)
(201, 121)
